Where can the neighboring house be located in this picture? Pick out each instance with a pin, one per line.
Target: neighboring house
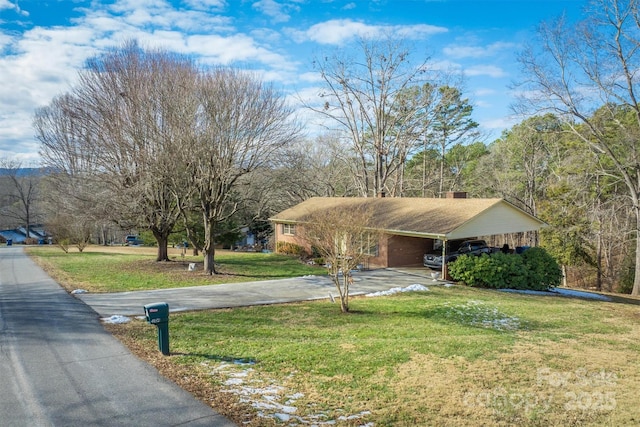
(19, 235)
(14, 235)
(412, 226)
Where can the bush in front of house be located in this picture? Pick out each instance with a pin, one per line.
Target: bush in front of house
(288, 248)
(536, 271)
(543, 268)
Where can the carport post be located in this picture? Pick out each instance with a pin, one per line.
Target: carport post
(444, 258)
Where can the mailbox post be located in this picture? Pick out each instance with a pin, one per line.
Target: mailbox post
(158, 314)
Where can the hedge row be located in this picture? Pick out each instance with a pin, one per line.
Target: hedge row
(534, 269)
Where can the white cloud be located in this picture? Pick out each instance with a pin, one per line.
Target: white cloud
(5, 40)
(461, 51)
(498, 124)
(206, 5)
(482, 104)
(311, 77)
(485, 70)
(273, 9)
(235, 48)
(266, 35)
(6, 4)
(339, 31)
(310, 95)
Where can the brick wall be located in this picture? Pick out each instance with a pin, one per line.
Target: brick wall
(406, 251)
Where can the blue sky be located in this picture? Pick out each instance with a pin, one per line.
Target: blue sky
(43, 43)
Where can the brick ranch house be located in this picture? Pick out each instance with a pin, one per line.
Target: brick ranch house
(412, 226)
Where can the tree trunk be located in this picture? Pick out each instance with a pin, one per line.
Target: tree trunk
(441, 185)
(599, 261)
(343, 290)
(163, 242)
(636, 280)
(209, 259)
(209, 247)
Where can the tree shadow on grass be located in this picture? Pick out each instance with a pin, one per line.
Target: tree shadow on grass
(219, 358)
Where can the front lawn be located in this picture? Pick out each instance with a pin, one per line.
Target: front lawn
(449, 356)
(127, 268)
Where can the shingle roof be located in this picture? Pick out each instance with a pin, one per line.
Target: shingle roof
(427, 217)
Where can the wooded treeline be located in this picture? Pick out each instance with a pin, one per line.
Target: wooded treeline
(150, 140)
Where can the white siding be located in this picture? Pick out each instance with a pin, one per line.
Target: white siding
(499, 219)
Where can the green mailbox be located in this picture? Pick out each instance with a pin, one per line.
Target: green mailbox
(158, 314)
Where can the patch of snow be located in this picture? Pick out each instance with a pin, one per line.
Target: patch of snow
(234, 381)
(266, 396)
(354, 417)
(296, 396)
(393, 291)
(572, 293)
(282, 417)
(79, 291)
(116, 319)
(561, 292)
(476, 313)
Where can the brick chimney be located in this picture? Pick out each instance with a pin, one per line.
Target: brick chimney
(456, 195)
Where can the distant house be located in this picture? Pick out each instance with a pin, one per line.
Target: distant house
(19, 235)
(413, 226)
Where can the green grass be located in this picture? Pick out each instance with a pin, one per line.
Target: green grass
(100, 269)
(454, 356)
(354, 361)
(308, 337)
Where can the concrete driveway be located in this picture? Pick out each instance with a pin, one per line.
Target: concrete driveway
(252, 293)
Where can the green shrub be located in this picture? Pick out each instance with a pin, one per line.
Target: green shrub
(288, 248)
(472, 270)
(498, 271)
(536, 271)
(543, 269)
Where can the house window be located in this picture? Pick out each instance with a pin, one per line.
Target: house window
(365, 244)
(369, 245)
(289, 229)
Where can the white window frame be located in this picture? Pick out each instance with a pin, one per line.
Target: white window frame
(289, 229)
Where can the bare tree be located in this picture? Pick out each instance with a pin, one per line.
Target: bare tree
(344, 241)
(364, 96)
(121, 127)
(22, 196)
(243, 123)
(574, 70)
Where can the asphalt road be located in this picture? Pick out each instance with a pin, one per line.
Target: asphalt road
(59, 367)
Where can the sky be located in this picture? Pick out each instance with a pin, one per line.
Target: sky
(45, 43)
